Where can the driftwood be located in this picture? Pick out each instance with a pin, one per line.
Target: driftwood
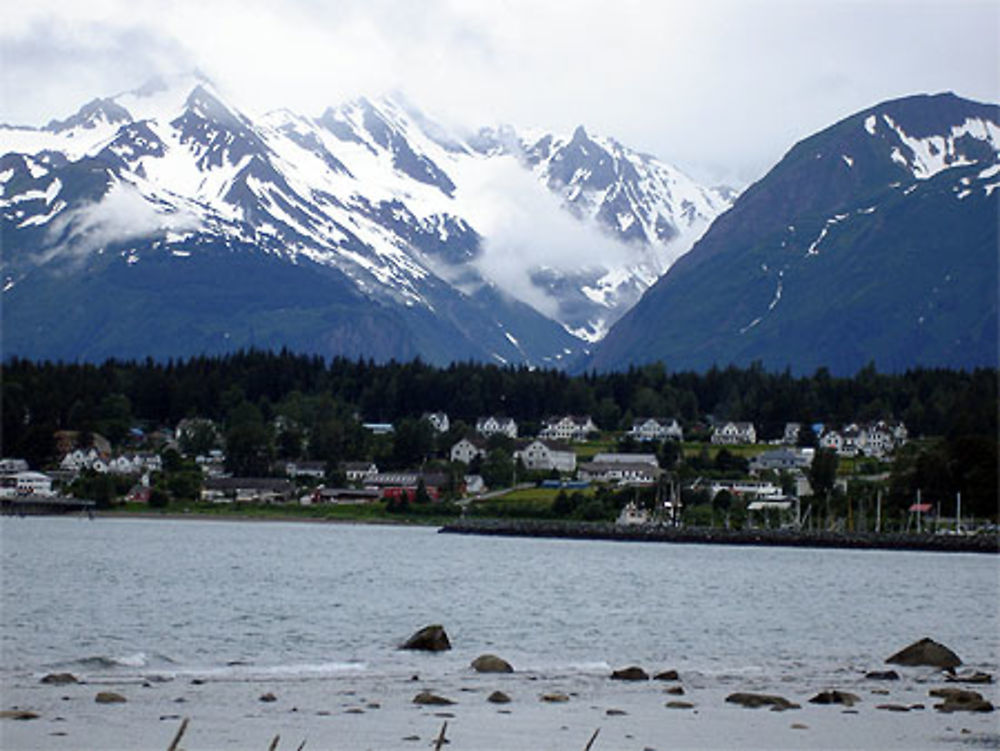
(592, 739)
(180, 733)
(441, 739)
(273, 747)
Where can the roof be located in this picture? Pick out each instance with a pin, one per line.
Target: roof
(620, 466)
(550, 445)
(243, 483)
(626, 458)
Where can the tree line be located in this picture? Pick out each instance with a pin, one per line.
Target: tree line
(267, 406)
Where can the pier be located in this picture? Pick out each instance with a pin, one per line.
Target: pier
(982, 543)
(44, 505)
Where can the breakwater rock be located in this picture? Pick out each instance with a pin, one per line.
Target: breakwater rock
(710, 536)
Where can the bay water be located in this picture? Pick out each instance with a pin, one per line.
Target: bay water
(142, 595)
(213, 613)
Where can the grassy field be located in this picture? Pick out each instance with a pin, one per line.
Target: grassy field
(585, 451)
(746, 450)
(362, 512)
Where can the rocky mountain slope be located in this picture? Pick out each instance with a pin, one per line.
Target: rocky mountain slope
(873, 240)
(166, 222)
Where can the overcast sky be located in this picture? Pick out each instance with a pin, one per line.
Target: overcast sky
(721, 88)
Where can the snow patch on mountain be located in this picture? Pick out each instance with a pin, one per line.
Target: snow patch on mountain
(933, 154)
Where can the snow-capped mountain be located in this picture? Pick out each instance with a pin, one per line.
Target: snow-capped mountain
(165, 221)
(874, 240)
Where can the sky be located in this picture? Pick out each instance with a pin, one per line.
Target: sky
(721, 88)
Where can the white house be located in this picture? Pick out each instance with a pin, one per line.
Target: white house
(133, 464)
(731, 433)
(547, 455)
(438, 420)
(656, 429)
(567, 428)
(80, 459)
(791, 434)
(620, 472)
(874, 439)
(26, 483)
(359, 471)
(468, 449)
(784, 459)
(487, 426)
(314, 469)
(8, 466)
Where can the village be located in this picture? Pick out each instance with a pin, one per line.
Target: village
(645, 475)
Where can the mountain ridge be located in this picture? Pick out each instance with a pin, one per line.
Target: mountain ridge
(870, 241)
(375, 190)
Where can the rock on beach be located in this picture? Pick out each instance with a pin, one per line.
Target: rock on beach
(835, 697)
(60, 679)
(109, 697)
(960, 700)
(431, 638)
(753, 701)
(428, 698)
(633, 673)
(926, 652)
(491, 664)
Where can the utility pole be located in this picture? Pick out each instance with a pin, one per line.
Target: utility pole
(878, 511)
(919, 530)
(958, 512)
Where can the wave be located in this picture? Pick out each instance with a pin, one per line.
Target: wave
(113, 662)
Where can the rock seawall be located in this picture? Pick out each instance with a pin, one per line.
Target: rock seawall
(706, 536)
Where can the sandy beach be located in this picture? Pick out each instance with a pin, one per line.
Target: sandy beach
(357, 711)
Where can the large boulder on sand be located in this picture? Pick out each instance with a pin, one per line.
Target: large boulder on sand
(753, 701)
(491, 664)
(926, 652)
(109, 697)
(835, 697)
(960, 700)
(633, 673)
(429, 639)
(431, 699)
(60, 679)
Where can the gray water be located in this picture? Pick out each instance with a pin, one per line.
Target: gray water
(222, 598)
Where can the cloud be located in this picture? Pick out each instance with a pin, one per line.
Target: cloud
(523, 222)
(120, 216)
(720, 87)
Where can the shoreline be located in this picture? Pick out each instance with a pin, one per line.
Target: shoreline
(543, 710)
(989, 544)
(572, 530)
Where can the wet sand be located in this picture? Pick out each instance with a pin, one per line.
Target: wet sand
(363, 711)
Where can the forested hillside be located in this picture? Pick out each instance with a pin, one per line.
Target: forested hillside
(39, 398)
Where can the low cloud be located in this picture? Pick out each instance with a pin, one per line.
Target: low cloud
(123, 214)
(526, 227)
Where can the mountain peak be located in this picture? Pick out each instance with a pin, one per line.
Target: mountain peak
(94, 113)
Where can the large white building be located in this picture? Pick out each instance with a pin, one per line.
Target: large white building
(25, 483)
(656, 429)
(732, 433)
(468, 449)
(546, 456)
(567, 428)
(487, 426)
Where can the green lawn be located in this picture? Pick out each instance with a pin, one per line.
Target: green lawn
(362, 512)
(746, 450)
